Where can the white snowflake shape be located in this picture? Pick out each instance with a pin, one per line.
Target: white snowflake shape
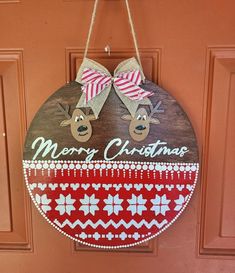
(137, 204)
(65, 204)
(43, 201)
(89, 204)
(113, 204)
(160, 204)
(180, 202)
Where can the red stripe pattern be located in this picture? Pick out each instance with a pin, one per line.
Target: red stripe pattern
(94, 82)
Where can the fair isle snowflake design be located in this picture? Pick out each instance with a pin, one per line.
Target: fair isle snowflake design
(65, 204)
(110, 204)
(180, 202)
(113, 204)
(137, 204)
(89, 204)
(160, 204)
(43, 202)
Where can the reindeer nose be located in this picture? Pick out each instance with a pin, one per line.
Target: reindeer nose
(140, 127)
(82, 128)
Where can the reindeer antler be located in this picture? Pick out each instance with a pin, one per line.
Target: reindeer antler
(155, 109)
(65, 110)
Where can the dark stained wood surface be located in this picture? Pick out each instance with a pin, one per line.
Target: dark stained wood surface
(174, 128)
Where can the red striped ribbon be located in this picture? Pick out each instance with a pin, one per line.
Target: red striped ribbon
(94, 82)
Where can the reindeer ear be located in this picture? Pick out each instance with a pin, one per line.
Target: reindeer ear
(65, 122)
(126, 117)
(154, 121)
(92, 117)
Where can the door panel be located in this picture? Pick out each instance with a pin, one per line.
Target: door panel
(15, 228)
(188, 47)
(218, 232)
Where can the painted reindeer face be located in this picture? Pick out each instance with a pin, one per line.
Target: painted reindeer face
(140, 123)
(80, 125)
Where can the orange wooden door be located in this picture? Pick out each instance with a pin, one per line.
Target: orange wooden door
(188, 47)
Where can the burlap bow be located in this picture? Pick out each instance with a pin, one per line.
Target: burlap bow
(97, 83)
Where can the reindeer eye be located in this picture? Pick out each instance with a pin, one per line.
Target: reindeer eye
(81, 117)
(76, 119)
(138, 117)
(144, 117)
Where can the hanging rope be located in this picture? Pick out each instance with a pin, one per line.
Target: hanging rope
(91, 27)
(131, 25)
(133, 33)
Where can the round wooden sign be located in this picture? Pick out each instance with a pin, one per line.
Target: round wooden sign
(110, 174)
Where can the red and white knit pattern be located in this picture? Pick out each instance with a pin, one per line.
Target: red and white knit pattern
(110, 204)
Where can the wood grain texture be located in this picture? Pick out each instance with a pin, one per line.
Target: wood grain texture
(174, 127)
